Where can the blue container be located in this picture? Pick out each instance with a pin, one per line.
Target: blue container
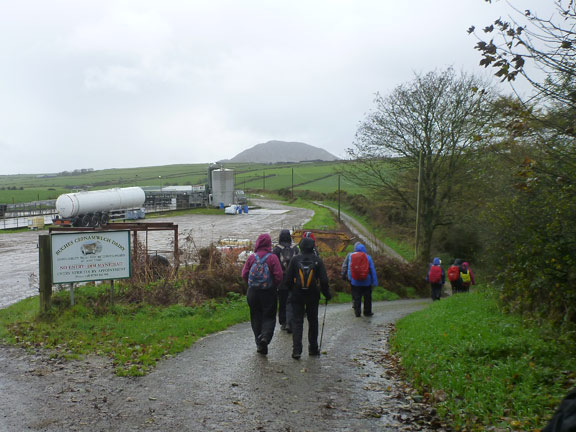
(246, 209)
(221, 205)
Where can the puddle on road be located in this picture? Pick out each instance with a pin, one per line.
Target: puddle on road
(267, 211)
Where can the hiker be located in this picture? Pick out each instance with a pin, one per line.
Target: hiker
(454, 276)
(362, 276)
(466, 276)
(306, 277)
(436, 278)
(285, 250)
(309, 234)
(263, 273)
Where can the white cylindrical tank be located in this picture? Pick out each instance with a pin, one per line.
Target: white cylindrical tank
(74, 204)
(222, 187)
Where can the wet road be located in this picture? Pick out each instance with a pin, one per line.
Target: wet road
(19, 251)
(222, 384)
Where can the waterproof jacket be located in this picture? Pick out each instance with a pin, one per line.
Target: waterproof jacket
(320, 282)
(436, 262)
(372, 279)
(262, 247)
(285, 242)
(463, 268)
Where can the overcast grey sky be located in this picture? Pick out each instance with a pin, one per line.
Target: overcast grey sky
(127, 83)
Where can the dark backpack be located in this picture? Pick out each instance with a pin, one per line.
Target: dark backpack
(286, 254)
(359, 266)
(306, 273)
(564, 419)
(259, 276)
(435, 274)
(453, 273)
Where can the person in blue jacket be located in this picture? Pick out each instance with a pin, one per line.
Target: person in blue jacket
(436, 278)
(361, 288)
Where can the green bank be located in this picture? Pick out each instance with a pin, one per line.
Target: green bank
(483, 369)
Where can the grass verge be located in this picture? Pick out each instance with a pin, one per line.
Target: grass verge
(134, 336)
(405, 250)
(482, 368)
(378, 294)
(323, 218)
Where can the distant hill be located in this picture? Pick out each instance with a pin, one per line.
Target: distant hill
(282, 151)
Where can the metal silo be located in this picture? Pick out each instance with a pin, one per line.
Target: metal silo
(222, 186)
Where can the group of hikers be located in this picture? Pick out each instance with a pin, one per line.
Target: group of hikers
(460, 277)
(287, 280)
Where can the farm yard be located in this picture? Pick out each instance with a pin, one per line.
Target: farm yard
(18, 251)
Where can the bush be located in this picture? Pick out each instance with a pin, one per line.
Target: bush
(214, 276)
(403, 279)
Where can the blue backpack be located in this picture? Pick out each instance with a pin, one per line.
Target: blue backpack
(259, 276)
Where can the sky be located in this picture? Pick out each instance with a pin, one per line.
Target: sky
(131, 83)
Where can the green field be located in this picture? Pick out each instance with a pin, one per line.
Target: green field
(317, 176)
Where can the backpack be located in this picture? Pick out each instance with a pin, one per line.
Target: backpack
(435, 274)
(453, 273)
(286, 254)
(306, 273)
(259, 276)
(465, 277)
(359, 266)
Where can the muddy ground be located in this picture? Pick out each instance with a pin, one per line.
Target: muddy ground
(220, 383)
(19, 251)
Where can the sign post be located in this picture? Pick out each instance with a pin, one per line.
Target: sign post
(44, 272)
(90, 256)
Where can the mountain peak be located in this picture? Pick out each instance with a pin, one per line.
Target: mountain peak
(282, 151)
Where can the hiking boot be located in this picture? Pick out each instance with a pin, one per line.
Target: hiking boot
(357, 313)
(314, 352)
(283, 327)
(368, 314)
(262, 347)
(288, 329)
(296, 355)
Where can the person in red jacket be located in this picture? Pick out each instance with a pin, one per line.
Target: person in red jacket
(263, 273)
(436, 278)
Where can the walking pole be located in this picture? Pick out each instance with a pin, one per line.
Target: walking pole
(323, 322)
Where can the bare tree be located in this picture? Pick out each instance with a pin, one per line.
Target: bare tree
(548, 42)
(430, 122)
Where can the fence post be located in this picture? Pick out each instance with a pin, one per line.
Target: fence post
(45, 272)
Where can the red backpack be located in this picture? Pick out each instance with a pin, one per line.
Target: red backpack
(435, 274)
(453, 273)
(359, 266)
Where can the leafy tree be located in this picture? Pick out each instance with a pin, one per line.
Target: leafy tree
(533, 222)
(430, 122)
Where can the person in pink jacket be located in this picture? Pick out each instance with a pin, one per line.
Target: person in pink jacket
(263, 273)
(466, 276)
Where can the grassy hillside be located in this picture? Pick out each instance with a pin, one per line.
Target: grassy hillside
(317, 176)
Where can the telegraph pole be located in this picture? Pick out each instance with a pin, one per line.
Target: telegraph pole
(338, 197)
(292, 182)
